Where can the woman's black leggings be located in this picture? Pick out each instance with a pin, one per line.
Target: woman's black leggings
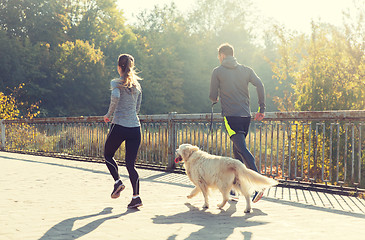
(132, 137)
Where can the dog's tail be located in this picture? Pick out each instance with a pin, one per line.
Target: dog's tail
(254, 179)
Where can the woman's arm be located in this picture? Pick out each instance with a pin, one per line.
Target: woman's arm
(114, 98)
(139, 100)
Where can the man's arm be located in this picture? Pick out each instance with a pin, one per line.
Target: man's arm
(256, 81)
(214, 87)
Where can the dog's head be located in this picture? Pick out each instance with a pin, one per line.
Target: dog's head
(184, 152)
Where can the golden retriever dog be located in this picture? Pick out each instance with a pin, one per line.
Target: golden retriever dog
(209, 171)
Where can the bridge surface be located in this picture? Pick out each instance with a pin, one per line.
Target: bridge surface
(51, 198)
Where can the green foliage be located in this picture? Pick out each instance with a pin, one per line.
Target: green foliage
(80, 68)
(325, 71)
(97, 21)
(65, 52)
(174, 53)
(10, 68)
(181, 52)
(38, 20)
(330, 78)
(162, 34)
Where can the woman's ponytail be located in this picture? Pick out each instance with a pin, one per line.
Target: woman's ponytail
(127, 68)
(126, 62)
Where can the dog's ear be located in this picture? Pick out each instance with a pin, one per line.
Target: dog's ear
(194, 148)
(188, 150)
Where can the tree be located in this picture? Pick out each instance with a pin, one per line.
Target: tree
(38, 20)
(65, 53)
(11, 69)
(185, 50)
(32, 35)
(327, 72)
(213, 22)
(22, 62)
(8, 108)
(161, 33)
(81, 85)
(96, 21)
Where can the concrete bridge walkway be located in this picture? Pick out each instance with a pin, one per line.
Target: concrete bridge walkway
(50, 198)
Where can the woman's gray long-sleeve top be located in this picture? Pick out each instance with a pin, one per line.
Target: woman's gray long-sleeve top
(125, 104)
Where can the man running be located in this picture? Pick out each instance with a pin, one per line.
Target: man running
(229, 83)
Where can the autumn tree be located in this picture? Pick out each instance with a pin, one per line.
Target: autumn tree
(325, 71)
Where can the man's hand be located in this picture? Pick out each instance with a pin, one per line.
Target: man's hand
(259, 116)
(106, 119)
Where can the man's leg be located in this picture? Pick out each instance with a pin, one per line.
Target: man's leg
(241, 152)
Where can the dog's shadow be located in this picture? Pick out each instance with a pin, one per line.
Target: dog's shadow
(215, 226)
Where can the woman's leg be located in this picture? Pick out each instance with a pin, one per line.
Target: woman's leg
(132, 144)
(112, 143)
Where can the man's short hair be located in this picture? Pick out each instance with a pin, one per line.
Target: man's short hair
(226, 49)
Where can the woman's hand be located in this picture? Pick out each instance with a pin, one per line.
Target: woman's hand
(106, 119)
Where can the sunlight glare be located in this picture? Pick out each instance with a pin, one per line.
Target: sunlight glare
(294, 14)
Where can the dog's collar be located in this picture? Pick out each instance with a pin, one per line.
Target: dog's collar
(192, 153)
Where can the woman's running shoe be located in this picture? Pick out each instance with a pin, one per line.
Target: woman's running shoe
(118, 187)
(136, 202)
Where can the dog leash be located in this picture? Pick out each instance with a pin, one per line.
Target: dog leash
(211, 118)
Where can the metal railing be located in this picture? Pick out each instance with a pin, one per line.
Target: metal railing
(312, 147)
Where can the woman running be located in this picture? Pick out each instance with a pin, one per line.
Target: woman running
(126, 96)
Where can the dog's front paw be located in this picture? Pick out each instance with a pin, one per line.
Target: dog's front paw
(247, 210)
(205, 205)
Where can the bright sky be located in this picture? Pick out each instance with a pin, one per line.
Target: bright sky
(294, 14)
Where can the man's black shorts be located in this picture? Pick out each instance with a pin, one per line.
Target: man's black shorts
(236, 125)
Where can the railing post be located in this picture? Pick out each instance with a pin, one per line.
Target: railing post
(171, 140)
(3, 140)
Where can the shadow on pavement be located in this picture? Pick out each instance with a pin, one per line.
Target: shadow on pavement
(63, 230)
(214, 226)
(57, 164)
(317, 208)
(153, 178)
